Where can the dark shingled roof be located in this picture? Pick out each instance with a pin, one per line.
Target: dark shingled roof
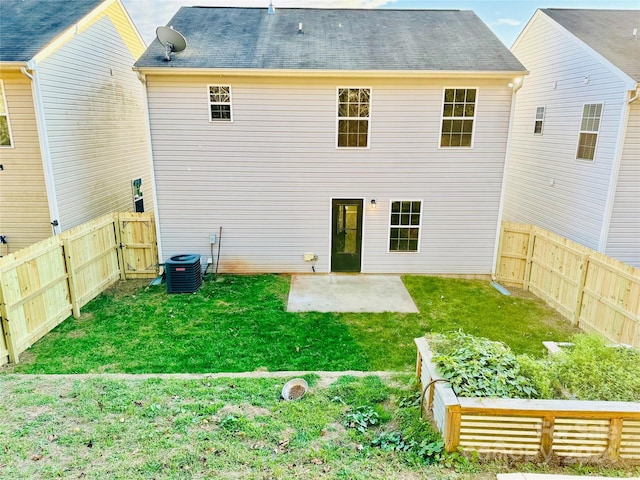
(344, 39)
(28, 26)
(608, 32)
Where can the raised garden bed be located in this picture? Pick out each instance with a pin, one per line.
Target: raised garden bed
(569, 430)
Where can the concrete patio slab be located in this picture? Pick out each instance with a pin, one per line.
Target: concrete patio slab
(349, 293)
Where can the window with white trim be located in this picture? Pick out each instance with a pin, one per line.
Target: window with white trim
(5, 128)
(220, 103)
(353, 117)
(458, 115)
(537, 126)
(589, 128)
(404, 225)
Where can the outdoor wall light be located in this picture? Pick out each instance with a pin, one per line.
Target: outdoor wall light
(373, 203)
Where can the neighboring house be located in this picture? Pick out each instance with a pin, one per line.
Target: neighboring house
(574, 161)
(73, 123)
(373, 140)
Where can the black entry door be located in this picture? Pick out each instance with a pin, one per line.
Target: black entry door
(346, 237)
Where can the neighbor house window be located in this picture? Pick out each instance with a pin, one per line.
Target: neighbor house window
(458, 114)
(220, 103)
(353, 117)
(5, 130)
(589, 131)
(537, 127)
(404, 226)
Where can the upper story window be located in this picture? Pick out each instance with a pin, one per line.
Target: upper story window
(458, 115)
(404, 226)
(220, 103)
(353, 117)
(589, 128)
(537, 127)
(5, 129)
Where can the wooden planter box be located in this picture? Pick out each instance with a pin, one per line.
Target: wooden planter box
(569, 430)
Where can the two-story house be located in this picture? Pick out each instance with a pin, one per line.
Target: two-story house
(346, 140)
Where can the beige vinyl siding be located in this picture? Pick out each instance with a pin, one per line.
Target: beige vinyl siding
(546, 185)
(125, 29)
(268, 178)
(95, 114)
(624, 232)
(24, 211)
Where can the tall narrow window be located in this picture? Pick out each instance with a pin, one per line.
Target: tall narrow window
(5, 130)
(404, 226)
(220, 103)
(589, 128)
(353, 117)
(537, 127)
(458, 114)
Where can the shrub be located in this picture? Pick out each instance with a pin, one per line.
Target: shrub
(593, 370)
(538, 373)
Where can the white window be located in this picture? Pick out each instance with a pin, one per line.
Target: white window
(458, 115)
(5, 126)
(537, 127)
(405, 219)
(353, 117)
(589, 128)
(220, 103)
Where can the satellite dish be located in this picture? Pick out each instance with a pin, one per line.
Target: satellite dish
(172, 40)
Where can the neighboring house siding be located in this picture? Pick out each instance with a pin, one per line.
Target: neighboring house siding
(24, 211)
(546, 185)
(269, 176)
(95, 113)
(624, 232)
(122, 23)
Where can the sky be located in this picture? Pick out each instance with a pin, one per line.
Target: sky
(506, 18)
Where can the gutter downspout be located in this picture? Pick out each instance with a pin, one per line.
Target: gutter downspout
(515, 86)
(615, 170)
(45, 152)
(156, 210)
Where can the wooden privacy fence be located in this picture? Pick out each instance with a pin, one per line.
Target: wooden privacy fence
(545, 429)
(597, 293)
(45, 283)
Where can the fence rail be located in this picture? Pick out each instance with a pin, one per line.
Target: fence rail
(596, 293)
(567, 429)
(42, 285)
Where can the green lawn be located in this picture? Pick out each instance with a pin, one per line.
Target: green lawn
(133, 429)
(239, 323)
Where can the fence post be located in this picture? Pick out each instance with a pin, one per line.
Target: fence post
(527, 267)
(452, 427)
(71, 282)
(121, 264)
(584, 260)
(6, 328)
(615, 437)
(546, 437)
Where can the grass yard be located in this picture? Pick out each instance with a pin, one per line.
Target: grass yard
(131, 429)
(239, 323)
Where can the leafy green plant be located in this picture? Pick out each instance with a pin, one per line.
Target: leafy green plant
(409, 401)
(431, 450)
(478, 367)
(361, 418)
(393, 441)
